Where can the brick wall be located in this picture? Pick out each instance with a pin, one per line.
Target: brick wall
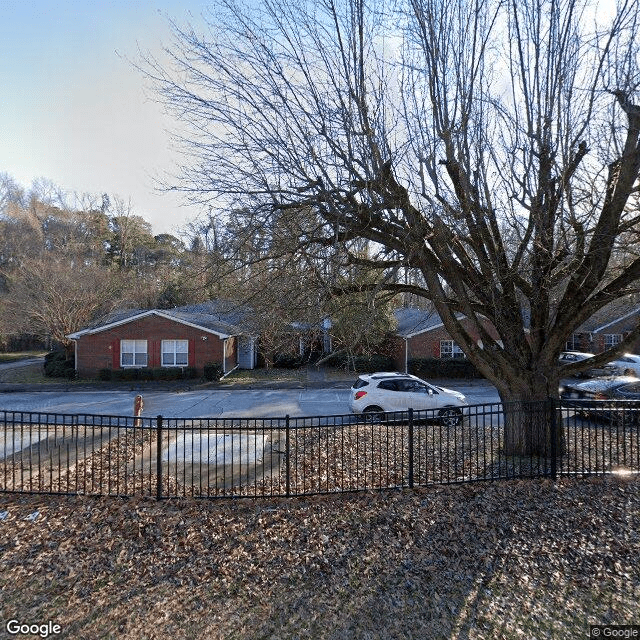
(102, 350)
(595, 343)
(423, 345)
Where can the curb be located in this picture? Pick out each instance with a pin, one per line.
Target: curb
(7, 387)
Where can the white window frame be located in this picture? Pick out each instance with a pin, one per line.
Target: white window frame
(170, 347)
(573, 344)
(612, 339)
(136, 348)
(449, 350)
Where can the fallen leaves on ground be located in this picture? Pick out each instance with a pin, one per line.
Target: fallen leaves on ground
(517, 559)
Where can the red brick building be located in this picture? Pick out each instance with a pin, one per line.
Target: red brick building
(184, 337)
(420, 333)
(606, 328)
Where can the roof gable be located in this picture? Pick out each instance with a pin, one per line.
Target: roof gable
(411, 321)
(623, 311)
(208, 324)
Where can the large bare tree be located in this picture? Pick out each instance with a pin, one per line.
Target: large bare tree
(53, 296)
(492, 146)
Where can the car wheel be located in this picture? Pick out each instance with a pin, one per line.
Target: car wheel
(450, 417)
(374, 413)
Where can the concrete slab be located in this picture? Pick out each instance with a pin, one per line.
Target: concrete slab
(214, 449)
(14, 442)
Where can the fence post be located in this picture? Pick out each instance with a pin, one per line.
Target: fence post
(159, 458)
(553, 428)
(410, 448)
(287, 452)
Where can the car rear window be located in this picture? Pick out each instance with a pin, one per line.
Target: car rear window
(359, 383)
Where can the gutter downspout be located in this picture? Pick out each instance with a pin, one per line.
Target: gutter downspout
(406, 355)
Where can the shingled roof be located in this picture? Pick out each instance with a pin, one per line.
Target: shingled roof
(220, 317)
(411, 321)
(624, 313)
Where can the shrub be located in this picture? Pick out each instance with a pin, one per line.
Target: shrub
(128, 374)
(442, 368)
(163, 373)
(363, 364)
(287, 361)
(58, 365)
(372, 363)
(105, 375)
(189, 373)
(212, 371)
(159, 373)
(336, 359)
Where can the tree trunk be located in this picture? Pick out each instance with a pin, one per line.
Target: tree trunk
(530, 416)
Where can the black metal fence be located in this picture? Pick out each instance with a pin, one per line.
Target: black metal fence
(214, 458)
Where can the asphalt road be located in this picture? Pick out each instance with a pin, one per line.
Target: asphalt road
(257, 403)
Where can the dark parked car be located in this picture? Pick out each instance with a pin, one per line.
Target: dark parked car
(598, 397)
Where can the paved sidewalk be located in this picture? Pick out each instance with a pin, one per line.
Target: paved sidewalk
(316, 378)
(18, 364)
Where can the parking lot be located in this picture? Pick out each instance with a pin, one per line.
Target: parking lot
(237, 442)
(256, 403)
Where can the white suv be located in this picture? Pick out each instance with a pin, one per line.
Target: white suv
(627, 365)
(569, 357)
(380, 393)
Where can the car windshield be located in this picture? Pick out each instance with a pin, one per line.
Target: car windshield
(630, 389)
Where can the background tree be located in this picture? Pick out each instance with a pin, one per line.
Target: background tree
(360, 310)
(66, 259)
(52, 297)
(491, 146)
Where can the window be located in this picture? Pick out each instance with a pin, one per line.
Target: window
(175, 353)
(611, 340)
(133, 353)
(413, 386)
(449, 349)
(388, 385)
(574, 343)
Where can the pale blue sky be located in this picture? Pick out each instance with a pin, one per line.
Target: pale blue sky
(75, 111)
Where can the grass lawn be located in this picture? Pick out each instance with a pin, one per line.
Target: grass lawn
(249, 376)
(519, 559)
(33, 374)
(20, 355)
(302, 376)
